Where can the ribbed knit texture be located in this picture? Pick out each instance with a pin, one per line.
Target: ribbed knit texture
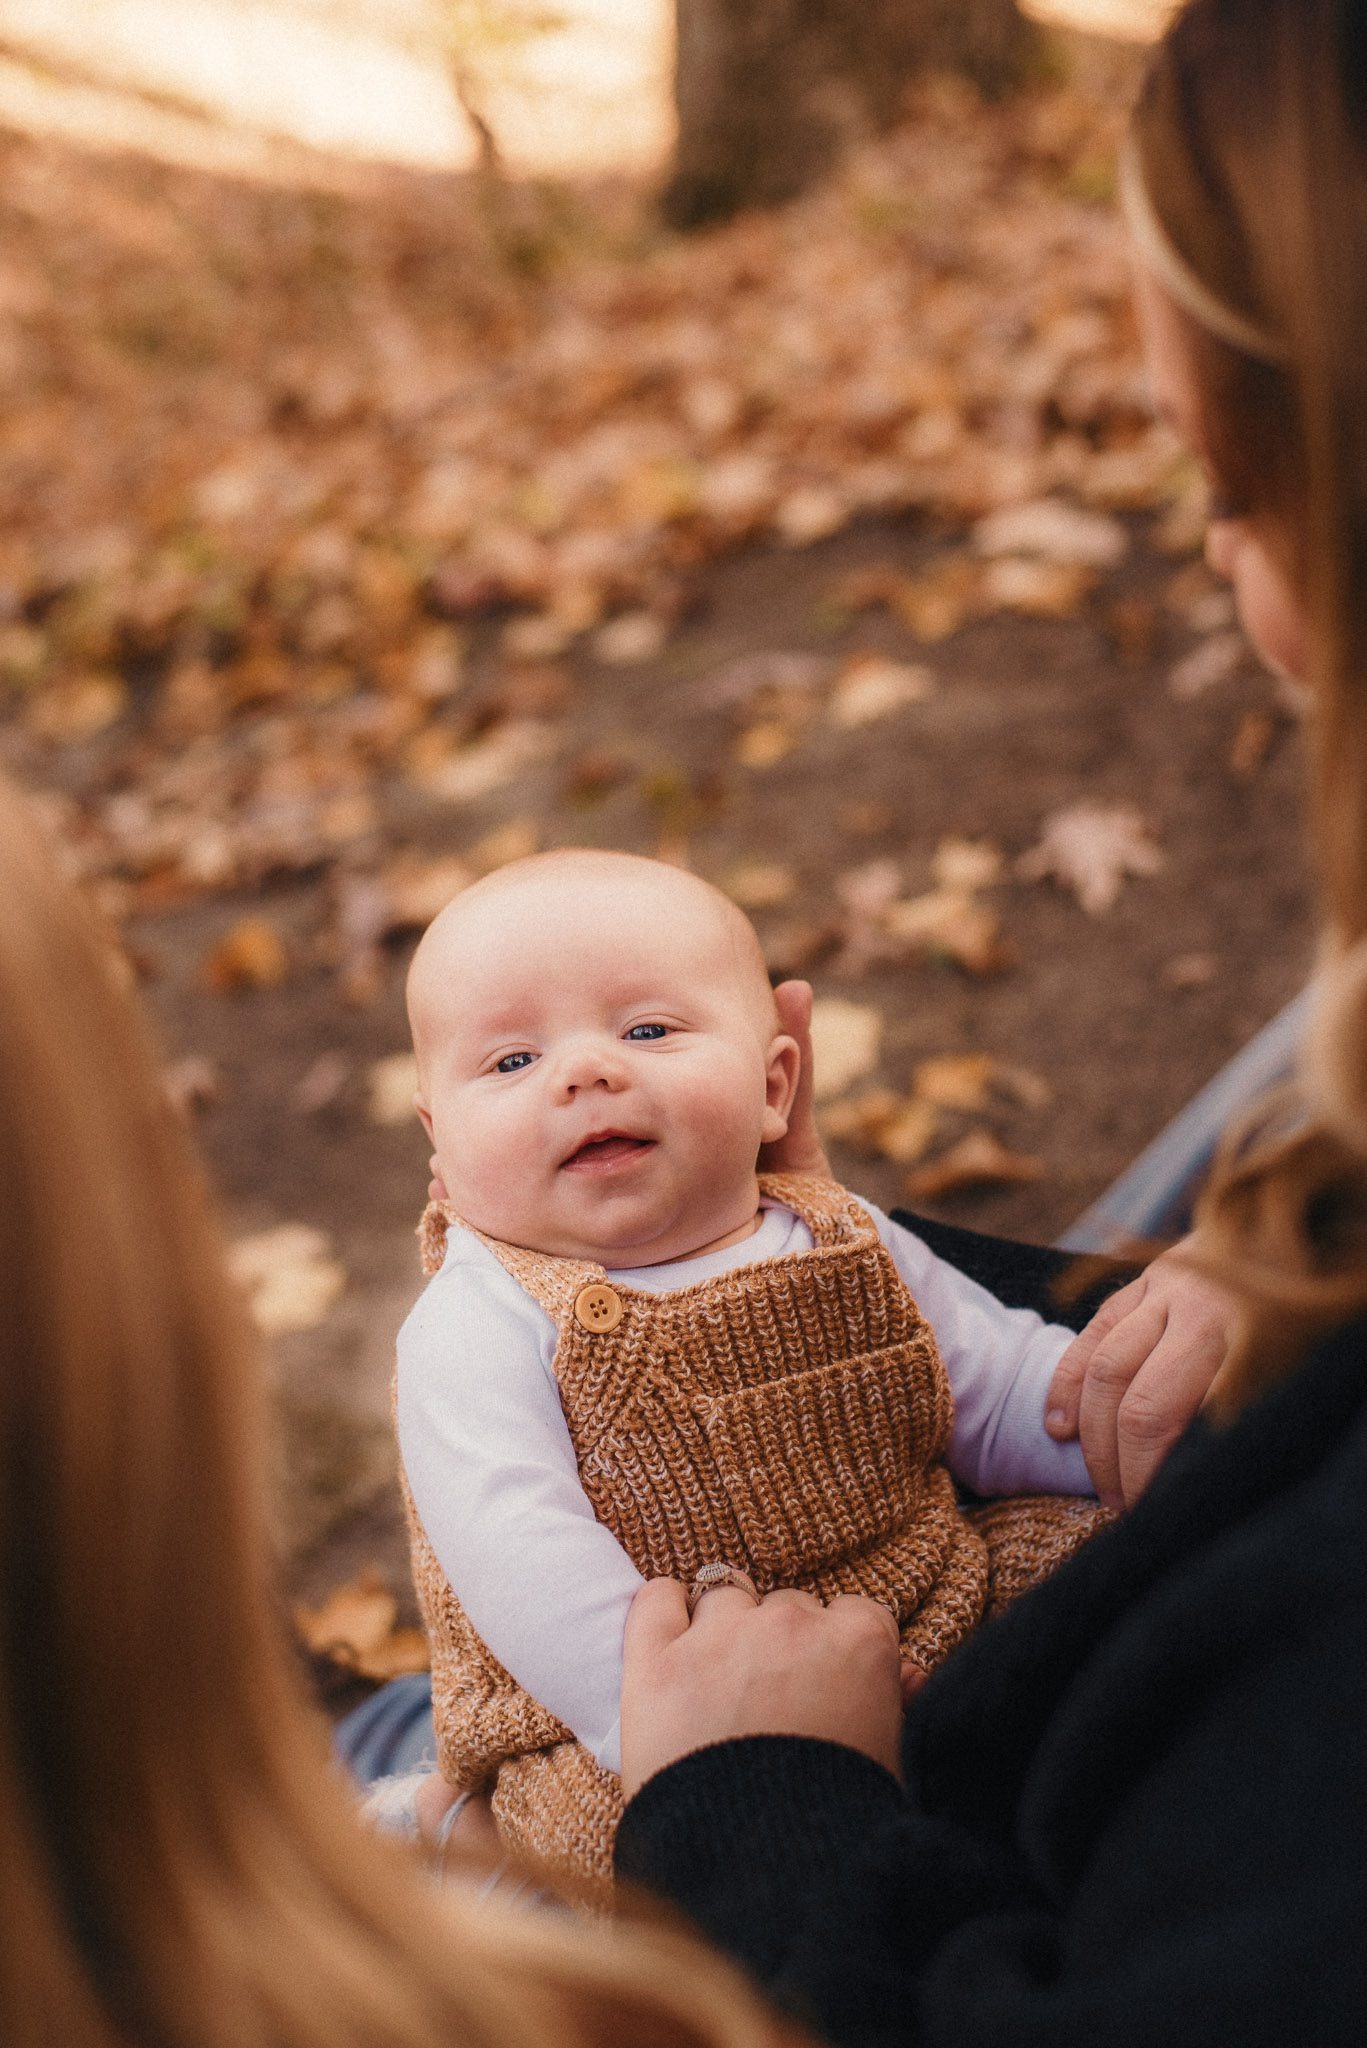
(789, 1417)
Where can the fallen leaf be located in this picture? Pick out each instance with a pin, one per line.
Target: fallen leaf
(416, 890)
(629, 638)
(798, 944)
(765, 744)
(966, 865)
(290, 1277)
(461, 774)
(1090, 849)
(846, 1038)
(591, 776)
(870, 686)
(1212, 662)
(1039, 590)
(909, 1134)
(956, 1080)
(193, 1083)
(513, 841)
(251, 954)
(936, 604)
(760, 884)
(1031, 1090)
(536, 638)
(322, 1083)
(1051, 530)
(355, 1627)
(1252, 743)
(393, 1082)
(865, 818)
(898, 1127)
(736, 682)
(71, 712)
(810, 514)
(978, 1160)
(1212, 611)
(356, 1617)
(1189, 970)
(866, 893)
(435, 670)
(953, 925)
(1133, 625)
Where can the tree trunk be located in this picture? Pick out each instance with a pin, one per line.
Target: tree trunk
(770, 92)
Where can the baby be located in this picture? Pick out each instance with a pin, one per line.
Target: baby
(638, 1356)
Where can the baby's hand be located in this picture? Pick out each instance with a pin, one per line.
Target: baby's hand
(801, 1149)
(1133, 1380)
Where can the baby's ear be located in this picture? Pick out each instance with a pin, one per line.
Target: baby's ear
(782, 1067)
(424, 1116)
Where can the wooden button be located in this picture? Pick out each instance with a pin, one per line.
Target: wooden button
(598, 1308)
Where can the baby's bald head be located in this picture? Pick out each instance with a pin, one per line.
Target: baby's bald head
(605, 905)
(599, 1058)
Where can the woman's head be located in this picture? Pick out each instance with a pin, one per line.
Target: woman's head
(1246, 184)
(180, 1863)
(1246, 189)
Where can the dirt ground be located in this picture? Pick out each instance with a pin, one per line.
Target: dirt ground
(337, 529)
(1124, 1015)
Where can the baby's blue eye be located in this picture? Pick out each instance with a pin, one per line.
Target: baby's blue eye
(513, 1062)
(643, 1032)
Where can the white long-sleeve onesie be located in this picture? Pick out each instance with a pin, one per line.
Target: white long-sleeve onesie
(494, 1478)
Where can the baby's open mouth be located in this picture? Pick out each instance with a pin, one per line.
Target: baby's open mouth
(607, 1149)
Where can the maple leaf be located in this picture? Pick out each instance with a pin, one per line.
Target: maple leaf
(1091, 848)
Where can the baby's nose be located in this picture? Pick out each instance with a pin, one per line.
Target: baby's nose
(591, 1064)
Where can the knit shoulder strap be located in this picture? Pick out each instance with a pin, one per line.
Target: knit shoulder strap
(552, 1282)
(829, 1211)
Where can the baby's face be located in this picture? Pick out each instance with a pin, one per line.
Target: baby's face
(600, 1061)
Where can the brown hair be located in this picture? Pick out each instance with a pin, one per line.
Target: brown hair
(1251, 140)
(180, 1863)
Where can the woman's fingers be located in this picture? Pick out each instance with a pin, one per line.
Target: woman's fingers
(1112, 1368)
(657, 1617)
(1131, 1383)
(1063, 1403)
(436, 1187)
(787, 1666)
(1162, 1399)
(801, 1150)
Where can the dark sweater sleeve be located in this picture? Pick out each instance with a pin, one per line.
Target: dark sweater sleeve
(1063, 1287)
(1216, 1900)
(792, 1855)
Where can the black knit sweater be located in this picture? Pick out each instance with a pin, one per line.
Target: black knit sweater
(1135, 1807)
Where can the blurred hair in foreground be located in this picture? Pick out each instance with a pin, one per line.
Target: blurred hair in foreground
(1250, 139)
(179, 1859)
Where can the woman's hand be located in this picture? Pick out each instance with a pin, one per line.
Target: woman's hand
(801, 1149)
(1133, 1380)
(783, 1666)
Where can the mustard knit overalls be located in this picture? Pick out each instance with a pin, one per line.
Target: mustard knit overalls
(789, 1417)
